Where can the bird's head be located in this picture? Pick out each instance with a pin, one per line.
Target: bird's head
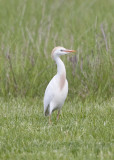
(58, 51)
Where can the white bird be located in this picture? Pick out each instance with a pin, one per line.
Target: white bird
(57, 89)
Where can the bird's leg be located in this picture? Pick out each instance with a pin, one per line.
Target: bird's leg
(58, 114)
(50, 119)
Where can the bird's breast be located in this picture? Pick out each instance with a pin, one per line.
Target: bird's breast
(62, 81)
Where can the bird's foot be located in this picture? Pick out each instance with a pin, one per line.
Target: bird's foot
(49, 119)
(58, 115)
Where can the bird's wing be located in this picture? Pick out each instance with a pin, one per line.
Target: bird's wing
(49, 94)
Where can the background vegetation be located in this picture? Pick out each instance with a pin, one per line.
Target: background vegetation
(29, 30)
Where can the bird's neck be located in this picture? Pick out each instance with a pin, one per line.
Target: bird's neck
(60, 66)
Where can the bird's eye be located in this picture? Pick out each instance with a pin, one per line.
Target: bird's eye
(61, 50)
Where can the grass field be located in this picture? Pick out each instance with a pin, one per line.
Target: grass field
(29, 30)
(84, 131)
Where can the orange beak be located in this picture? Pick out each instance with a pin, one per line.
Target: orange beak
(70, 51)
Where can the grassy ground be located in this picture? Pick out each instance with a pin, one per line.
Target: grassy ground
(29, 30)
(84, 130)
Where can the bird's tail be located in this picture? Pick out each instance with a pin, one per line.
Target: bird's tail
(46, 113)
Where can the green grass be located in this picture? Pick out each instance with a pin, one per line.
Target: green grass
(31, 29)
(84, 130)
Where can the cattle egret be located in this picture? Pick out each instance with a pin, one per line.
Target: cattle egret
(57, 89)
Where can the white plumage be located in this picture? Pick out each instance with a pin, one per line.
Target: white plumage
(57, 89)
